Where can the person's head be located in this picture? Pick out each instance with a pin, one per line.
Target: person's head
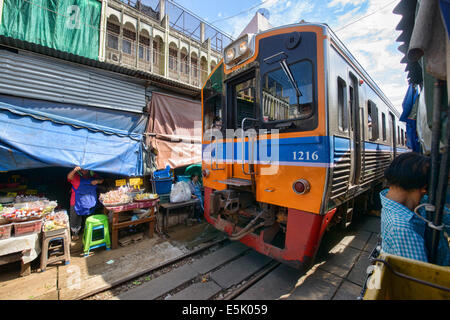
(217, 121)
(194, 178)
(84, 172)
(409, 173)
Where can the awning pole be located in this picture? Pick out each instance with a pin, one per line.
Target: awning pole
(441, 190)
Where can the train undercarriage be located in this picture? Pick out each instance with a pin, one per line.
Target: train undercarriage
(265, 228)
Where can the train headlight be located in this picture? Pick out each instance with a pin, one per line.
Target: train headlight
(243, 47)
(240, 50)
(301, 186)
(229, 55)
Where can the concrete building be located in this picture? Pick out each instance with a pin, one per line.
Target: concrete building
(148, 39)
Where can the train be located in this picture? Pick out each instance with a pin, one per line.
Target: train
(295, 139)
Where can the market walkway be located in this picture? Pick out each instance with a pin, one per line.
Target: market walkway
(101, 270)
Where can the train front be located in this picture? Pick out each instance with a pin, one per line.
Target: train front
(264, 151)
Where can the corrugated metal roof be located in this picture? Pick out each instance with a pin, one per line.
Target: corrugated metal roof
(407, 9)
(156, 80)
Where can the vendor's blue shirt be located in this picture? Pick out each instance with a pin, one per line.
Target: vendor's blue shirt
(403, 233)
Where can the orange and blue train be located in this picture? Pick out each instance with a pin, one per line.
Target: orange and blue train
(296, 137)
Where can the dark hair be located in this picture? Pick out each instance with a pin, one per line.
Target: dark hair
(409, 171)
(194, 175)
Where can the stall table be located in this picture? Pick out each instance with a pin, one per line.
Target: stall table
(25, 248)
(116, 225)
(170, 206)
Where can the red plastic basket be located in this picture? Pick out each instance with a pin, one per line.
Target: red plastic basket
(29, 227)
(5, 231)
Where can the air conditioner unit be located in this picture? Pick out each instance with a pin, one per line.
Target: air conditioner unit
(113, 56)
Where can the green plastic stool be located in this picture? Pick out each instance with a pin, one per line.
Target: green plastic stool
(94, 223)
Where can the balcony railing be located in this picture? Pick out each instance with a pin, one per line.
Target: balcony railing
(149, 60)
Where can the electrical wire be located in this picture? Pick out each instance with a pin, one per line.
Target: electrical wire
(368, 15)
(242, 12)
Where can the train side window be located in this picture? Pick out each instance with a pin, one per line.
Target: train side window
(372, 120)
(403, 138)
(213, 102)
(398, 135)
(383, 123)
(342, 105)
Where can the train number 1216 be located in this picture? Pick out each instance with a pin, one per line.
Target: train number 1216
(300, 155)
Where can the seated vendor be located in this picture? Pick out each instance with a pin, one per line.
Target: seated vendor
(84, 197)
(196, 191)
(402, 231)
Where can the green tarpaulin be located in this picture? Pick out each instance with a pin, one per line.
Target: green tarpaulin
(66, 25)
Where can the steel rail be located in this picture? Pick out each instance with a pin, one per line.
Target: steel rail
(261, 274)
(152, 269)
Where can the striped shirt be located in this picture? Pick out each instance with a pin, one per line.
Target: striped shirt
(403, 233)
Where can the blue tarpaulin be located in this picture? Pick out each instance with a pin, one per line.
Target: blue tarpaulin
(412, 140)
(33, 138)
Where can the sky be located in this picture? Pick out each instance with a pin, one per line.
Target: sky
(371, 40)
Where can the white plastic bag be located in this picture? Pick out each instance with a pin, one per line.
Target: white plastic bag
(180, 192)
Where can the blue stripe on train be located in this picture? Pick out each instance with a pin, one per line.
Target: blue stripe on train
(298, 151)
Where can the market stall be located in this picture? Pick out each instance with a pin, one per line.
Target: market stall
(23, 219)
(126, 199)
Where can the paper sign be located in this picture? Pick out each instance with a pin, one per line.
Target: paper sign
(11, 194)
(121, 182)
(135, 181)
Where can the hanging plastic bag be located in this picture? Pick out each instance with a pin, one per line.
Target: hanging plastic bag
(180, 192)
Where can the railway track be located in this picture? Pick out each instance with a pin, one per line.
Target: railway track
(226, 270)
(222, 270)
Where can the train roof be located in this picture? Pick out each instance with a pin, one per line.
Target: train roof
(349, 55)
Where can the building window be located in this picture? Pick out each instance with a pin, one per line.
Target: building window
(129, 37)
(194, 62)
(342, 105)
(184, 63)
(113, 31)
(155, 53)
(383, 124)
(173, 54)
(144, 48)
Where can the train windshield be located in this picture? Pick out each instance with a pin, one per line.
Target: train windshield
(287, 93)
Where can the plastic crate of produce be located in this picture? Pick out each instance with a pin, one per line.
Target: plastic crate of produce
(5, 231)
(28, 227)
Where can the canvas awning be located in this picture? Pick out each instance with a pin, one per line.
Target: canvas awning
(174, 130)
(43, 137)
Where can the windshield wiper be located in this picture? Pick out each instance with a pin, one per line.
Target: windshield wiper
(289, 75)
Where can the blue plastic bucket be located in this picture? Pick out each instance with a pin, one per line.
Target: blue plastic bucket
(163, 186)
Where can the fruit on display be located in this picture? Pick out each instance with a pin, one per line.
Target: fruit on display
(29, 210)
(119, 196)
(146, 196)
(24, 198)
(56, 220)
